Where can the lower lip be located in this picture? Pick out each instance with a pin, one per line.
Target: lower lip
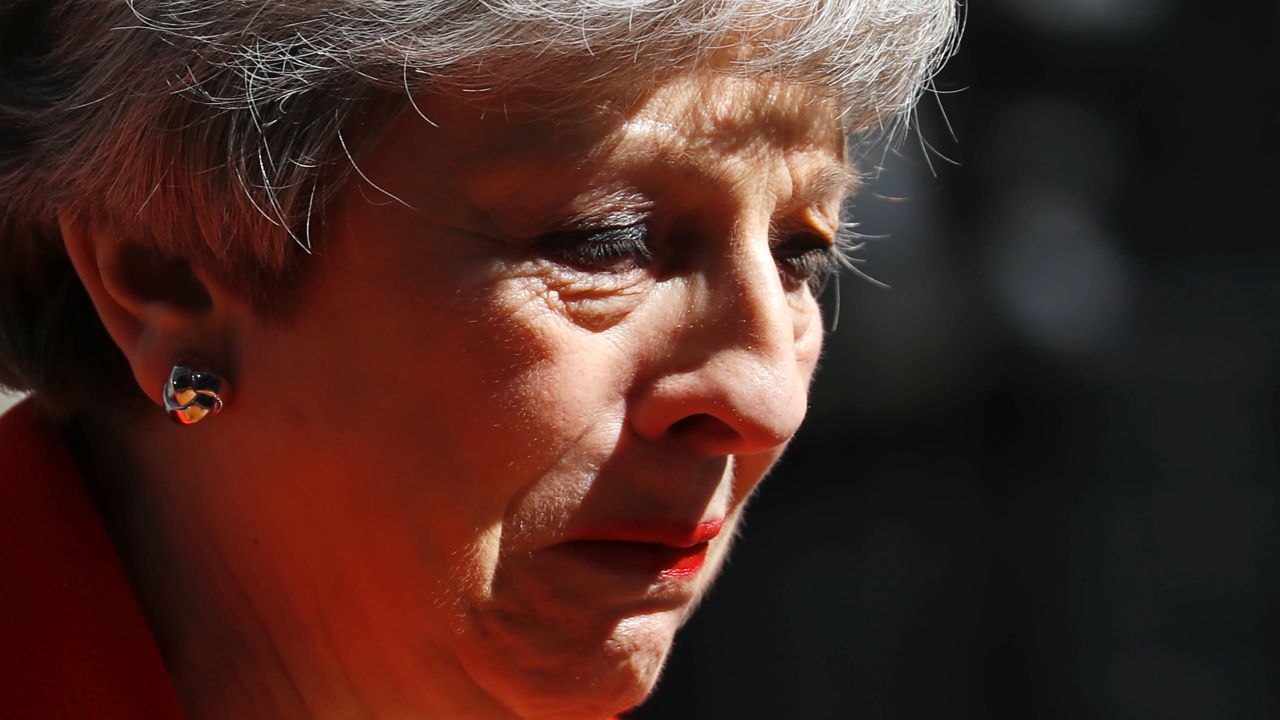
(662, 561)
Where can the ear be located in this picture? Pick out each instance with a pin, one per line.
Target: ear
(158, 308)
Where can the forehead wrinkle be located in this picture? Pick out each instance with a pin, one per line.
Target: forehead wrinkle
(729, 112)
(803, 175)
(716, 131)
(779, 114)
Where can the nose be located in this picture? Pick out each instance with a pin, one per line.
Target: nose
(729, 373)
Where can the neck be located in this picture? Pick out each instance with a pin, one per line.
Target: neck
(247, 626)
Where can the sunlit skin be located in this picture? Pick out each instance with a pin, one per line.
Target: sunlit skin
(472, 377)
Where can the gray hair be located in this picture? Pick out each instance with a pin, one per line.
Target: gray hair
(216, 129)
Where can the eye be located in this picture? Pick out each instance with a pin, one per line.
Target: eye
(805, 258)
(616, 249)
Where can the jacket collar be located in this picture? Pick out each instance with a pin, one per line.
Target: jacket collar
(73, 640)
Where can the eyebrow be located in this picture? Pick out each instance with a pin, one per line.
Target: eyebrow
(835, 180)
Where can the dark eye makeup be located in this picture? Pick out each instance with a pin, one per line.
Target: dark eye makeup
(802, 258)
(806, 258)
(612, 249)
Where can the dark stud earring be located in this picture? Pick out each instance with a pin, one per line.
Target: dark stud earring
(190, 395)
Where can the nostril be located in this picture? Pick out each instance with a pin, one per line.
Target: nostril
(703, 427)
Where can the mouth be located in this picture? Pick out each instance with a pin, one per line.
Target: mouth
(661, 554)
(661, 561)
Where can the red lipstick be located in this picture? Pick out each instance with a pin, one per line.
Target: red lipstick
(659, 550)
(640, 558)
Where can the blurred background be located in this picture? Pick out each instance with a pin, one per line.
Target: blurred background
(1040, 476)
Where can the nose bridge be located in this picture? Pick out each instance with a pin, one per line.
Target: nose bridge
(732, 381)
(741, 305)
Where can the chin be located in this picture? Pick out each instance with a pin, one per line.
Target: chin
(589, 682)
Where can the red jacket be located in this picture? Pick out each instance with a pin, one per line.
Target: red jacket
(73, 641)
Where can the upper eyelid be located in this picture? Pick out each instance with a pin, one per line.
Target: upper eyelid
(582, 228)
(598, 235)
(587, 222)
(829, 224)
(807, 217)
(617, 208)
(779, 231)
(634, 233)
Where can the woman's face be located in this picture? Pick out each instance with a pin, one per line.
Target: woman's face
(522, 405)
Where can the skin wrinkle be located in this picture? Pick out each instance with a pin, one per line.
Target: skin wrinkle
(473, 422)
(180, 150)
(510, 514)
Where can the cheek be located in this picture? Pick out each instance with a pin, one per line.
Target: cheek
(555, 372)
(806, 318)
(439, 395)
(532, 394)
(523, 632)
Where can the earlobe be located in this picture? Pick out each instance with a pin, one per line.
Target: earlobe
(156, 306)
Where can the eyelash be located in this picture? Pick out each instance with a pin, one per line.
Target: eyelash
(802, 259)
(806, 259)
(608, 250)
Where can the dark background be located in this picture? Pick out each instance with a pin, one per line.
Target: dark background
(1039, 476)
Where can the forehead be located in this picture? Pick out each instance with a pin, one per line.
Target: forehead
(711, 125)
(725, 113)
(504, 153)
